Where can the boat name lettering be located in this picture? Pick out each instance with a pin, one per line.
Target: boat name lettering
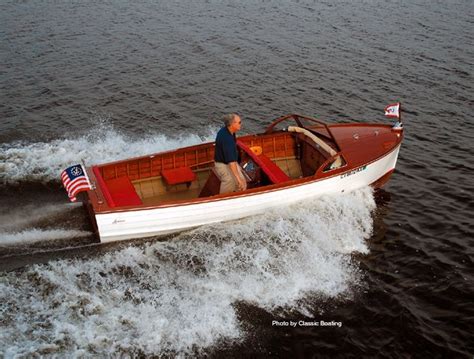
(350, 173)
(118, 221)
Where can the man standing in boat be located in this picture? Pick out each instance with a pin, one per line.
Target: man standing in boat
(226, 156)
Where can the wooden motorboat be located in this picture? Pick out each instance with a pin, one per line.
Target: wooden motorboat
(296, 158)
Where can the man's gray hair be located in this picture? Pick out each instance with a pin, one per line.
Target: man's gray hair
(228, 119)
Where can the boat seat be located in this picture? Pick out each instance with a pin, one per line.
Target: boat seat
(274, 173)
(122, 192)
(117, 192)
(178, 176)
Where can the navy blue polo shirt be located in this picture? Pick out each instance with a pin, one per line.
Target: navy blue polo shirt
(226, 147)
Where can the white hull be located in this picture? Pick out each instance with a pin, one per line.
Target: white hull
(158, 221)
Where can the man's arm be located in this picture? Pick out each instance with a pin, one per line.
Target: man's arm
(235, 171)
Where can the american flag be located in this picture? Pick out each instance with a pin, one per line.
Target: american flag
(75, 180)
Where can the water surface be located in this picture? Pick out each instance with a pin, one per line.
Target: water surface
(103, 81)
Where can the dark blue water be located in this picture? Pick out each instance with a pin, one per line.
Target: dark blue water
(96, 82)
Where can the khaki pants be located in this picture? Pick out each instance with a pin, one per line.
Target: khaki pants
(228, 181)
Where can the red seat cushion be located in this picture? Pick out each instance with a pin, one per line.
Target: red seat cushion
(122, 192)
(274, 173)
(178, 175)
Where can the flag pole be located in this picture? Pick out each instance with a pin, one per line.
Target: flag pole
(399, 124)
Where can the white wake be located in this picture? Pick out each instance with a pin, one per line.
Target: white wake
(34, 235)
(44, 161)
(178, 297)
